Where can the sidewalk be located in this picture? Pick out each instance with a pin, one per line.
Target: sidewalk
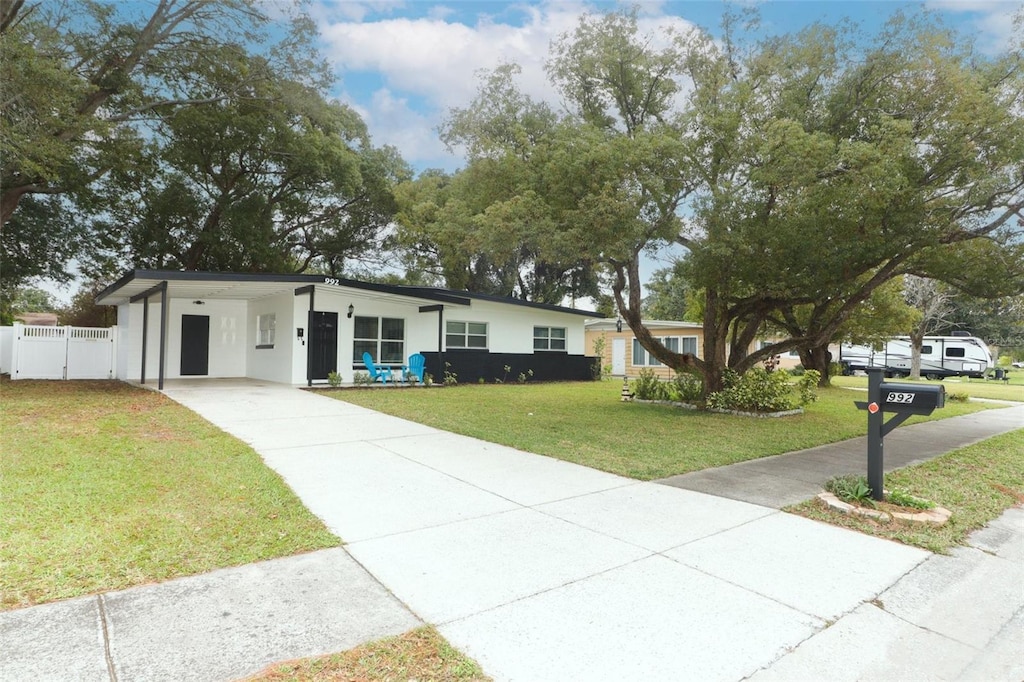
(794, 477)
(540, 570)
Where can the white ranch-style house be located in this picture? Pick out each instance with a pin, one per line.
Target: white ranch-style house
(298, 329)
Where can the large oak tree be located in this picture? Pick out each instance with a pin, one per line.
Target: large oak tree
(801, 173)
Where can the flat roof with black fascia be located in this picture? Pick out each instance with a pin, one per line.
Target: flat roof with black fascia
(247, 286)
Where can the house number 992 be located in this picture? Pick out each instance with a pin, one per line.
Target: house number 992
(332, 280)
(904, 398)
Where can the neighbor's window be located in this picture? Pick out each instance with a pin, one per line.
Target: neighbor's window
(382, 337)
(955, 353)
(549, 338)
(676, 344)
(265, 326)
(465, 334)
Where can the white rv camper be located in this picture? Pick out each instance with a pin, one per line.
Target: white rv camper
(941, 356)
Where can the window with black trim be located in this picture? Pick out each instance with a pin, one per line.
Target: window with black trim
(549, 338)
(382, 337)
(465, 334)
(956, 353)
(266, 327)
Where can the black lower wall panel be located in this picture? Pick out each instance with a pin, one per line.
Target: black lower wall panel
(472, 365)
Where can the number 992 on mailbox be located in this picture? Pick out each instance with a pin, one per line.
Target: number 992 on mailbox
(912, 398)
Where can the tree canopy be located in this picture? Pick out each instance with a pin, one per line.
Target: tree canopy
(191, 134)
(800, 172)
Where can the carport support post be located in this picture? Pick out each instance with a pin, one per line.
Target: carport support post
(144, 297)
(875, 423)
(163, 333)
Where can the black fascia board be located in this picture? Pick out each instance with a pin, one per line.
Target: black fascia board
(452, 296)
(446, 296)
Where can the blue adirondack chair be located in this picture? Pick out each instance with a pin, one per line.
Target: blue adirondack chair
(377, 373)
(416, 366)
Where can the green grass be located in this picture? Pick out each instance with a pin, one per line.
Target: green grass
(976, 388)
(977, 483)
(586, 423)
(105, 486)
(418, 655)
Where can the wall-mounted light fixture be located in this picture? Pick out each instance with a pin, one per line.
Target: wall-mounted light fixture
(198, 302)
(351, 309)
(618, 324)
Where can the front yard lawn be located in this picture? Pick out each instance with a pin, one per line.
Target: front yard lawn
(586, 423)
(977, 483)
(105, 486)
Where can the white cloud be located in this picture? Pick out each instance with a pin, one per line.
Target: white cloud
(436, 60)
(991, 19)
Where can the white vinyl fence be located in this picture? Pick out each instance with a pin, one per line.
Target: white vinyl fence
(39, 352)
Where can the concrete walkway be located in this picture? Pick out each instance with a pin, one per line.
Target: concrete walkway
(794, 477)
(540, 570)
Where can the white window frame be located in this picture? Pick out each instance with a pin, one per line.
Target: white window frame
(378, 342)
(465, 335)
(648, 360)
(266, 330)
(548, 339)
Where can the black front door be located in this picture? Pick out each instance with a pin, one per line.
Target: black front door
(323, 344)
(195, 345)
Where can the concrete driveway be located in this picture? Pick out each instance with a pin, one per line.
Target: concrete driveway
(544, 570)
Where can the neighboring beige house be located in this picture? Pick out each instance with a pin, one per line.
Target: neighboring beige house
(626, 357)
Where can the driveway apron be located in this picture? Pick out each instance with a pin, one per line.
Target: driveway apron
(545, 570)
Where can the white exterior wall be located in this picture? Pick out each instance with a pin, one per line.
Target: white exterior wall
(124, 341)
(420, 328)
(228, 338)
(510, 327)
(274, 364)
(233, 332)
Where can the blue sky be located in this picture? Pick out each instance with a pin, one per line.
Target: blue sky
(403, 65)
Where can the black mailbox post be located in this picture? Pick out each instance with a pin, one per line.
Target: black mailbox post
(905, 400)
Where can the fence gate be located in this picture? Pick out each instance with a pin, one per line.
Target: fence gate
(63, 352)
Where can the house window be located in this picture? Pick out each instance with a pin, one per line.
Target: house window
(955, 352)
(265, 326)
(761, 345)
(549, 338)
(465, 334)
(382, 337)
(676, 344)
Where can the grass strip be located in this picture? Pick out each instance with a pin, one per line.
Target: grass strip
(421, 655)
(586, 423)
(104, 486)
(977, 483)
(975, 388)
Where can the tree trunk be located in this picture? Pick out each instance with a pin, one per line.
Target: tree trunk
(916, 341)
(715, 343)
(818, 358)
(9, 202)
